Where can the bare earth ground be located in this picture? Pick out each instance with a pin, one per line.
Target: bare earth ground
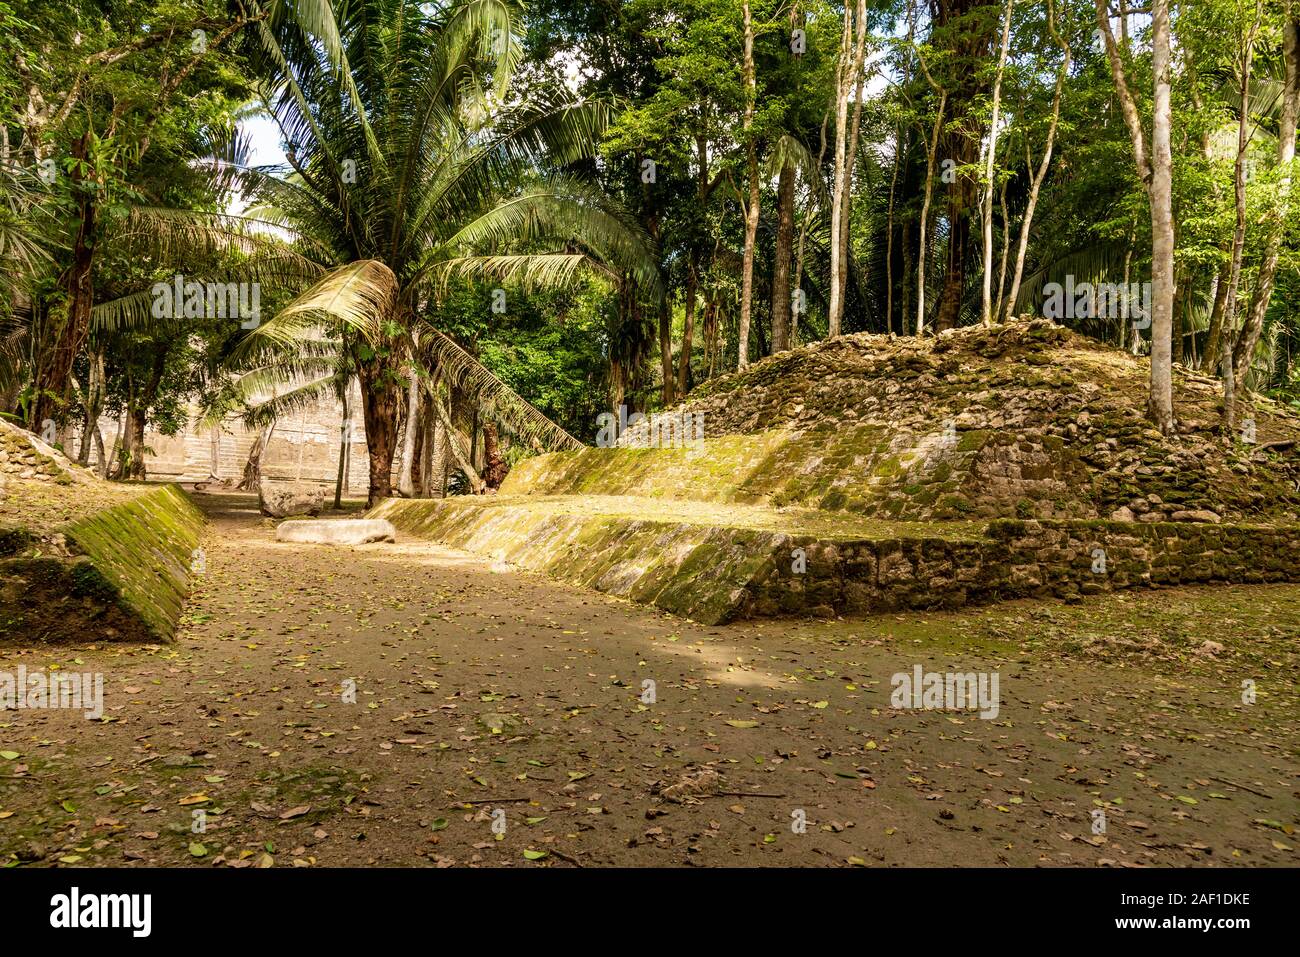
(479, 689)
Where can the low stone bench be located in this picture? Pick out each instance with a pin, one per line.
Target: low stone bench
(348, 531)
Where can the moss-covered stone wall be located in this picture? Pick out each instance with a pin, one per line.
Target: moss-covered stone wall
(1026, 420)
(715, 573)
(699, 571)
(122, 575)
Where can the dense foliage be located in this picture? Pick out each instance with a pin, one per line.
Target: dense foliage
(515, 216)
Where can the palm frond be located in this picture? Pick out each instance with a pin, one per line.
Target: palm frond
(442, 353)
(361, 296)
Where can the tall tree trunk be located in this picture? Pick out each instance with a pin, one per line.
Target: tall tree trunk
(1044, 164)
(1156, 172)
(1180, 303)
(848, 77)
(990, 167)
(54, 365)
(1214, 335)
(1160, 401)
(429, 435)
(784, 254)
(923, 252)
(1239, 177)
(751, 206)
(1253, 326)
(889, 232)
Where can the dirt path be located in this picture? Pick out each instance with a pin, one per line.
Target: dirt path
(482, 689)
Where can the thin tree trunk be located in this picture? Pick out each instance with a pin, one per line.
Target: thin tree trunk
(1239, 176)
(921, 256)
(666, 351)
(784, 253)
(109, 465)
(404, 481)
(1006, 251)
(429, 435)
(889, 234)
(1253, 327)
(848, 77)
(345, 436)
(688, 334)
(102, 465)
(799, 254)
(94, 404)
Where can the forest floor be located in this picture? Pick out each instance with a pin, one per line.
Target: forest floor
(480, 689)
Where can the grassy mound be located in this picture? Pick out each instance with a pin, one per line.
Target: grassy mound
(1027, 420)
(869, 473)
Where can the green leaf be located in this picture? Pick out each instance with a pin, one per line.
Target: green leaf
(531, 855)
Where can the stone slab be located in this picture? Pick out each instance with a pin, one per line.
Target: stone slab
(348, 531)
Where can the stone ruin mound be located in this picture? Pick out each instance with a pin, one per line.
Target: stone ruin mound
(84, 560)
(875, 473)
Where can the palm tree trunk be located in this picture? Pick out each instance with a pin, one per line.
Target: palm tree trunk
(380, 403)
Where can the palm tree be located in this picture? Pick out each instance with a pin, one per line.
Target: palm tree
(415, 165)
